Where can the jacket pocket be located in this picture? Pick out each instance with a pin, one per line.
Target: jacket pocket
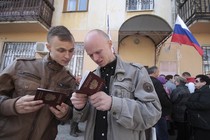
(124, 89)
(27, 83)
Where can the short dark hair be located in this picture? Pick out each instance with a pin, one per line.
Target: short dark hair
(203, 78)
(61, 32)
(186, 74)
(152, 69)
(176, 75)
(168, 77)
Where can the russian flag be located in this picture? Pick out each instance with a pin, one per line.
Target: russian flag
(182, 35)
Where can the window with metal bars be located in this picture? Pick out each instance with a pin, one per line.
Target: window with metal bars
(139, 5)
(13, 50)
(76, 64)
(206, 59)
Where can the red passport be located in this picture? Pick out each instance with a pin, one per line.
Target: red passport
(90, 84)
(50, 97)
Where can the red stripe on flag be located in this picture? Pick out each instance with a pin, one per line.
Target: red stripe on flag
(182, 39)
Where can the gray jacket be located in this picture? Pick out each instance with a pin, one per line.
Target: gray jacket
(135, 104)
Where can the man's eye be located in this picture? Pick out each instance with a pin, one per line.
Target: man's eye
(98, 52)
(71, 50)
(61, 50)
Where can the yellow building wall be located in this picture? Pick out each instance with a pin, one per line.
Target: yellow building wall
(79, 23)
(186, 57)
(137, 49)
(97, 15)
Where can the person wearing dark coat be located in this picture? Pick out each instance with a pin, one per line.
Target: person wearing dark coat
(179, 97)
(161, 126)
(198, 109)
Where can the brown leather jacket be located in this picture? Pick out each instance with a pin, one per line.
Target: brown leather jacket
(23, 77)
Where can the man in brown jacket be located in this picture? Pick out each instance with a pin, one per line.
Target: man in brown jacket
(23, 118)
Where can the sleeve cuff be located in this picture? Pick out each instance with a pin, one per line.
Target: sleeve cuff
(116, 107)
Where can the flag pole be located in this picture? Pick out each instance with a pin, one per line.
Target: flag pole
(178, 54)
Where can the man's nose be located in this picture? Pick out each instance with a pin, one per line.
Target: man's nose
(95, 57)
(67, 54)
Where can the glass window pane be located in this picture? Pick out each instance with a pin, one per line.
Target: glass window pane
(206, 59)
(75, 66)
(71, 5)
(13, 50)
(82, 5)
(138, 5)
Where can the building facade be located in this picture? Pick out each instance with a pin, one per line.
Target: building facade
(140, 30)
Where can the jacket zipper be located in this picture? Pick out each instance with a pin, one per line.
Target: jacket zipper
(30, 75)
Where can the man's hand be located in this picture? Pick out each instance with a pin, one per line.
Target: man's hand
(26, 104)
(79, 100)
(60, 110)
(101, 101)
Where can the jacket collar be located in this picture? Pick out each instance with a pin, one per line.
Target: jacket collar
(119, 66)
(52, 64)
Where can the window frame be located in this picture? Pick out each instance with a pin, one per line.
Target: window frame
(65, 6)
(11, 53)
(74, 66)
(206, 59)
(139, 6)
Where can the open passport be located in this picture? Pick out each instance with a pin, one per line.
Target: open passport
(90, 84)
(51, 97)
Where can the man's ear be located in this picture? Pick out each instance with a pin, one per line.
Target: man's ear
(48, 47)
(205, 83)
(110, 43)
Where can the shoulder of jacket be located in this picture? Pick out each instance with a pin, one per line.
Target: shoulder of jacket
(137, 65)
(69, 73)
(26, 59)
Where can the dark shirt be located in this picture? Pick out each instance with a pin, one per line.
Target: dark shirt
(101, 126)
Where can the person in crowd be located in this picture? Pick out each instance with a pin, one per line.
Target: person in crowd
(161, 126)
(22, 117)
(163, 82)
(198, 109)
(175, 75)
(190, 81)
(162, 79)
(170, 83)
(170, 86)
(179, 97)
(128, 104)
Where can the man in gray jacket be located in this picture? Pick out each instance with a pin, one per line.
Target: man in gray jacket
(128, 104)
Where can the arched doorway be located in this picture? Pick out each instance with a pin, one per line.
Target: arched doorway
(140, 36)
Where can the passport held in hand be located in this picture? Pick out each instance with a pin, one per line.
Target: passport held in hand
(50, 97)
(90, 84)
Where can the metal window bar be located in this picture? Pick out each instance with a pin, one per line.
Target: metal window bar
(206, 59)
(76, 64)
(192, 10)
(139, 5)
(13, 50)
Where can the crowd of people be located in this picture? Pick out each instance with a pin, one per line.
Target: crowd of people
(189, 99)
(133, 101)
